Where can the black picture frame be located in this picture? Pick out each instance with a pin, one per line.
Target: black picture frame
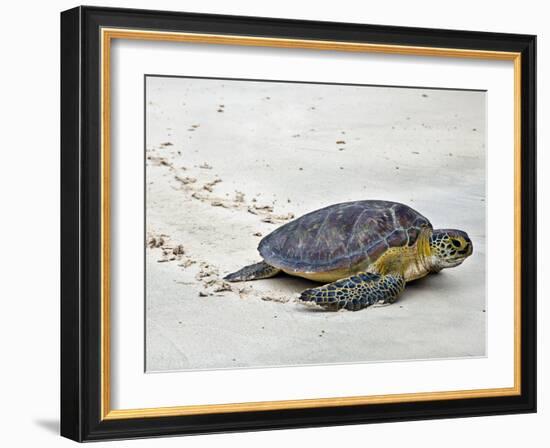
(81, 224)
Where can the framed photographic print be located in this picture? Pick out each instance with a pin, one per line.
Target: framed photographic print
(273, 223)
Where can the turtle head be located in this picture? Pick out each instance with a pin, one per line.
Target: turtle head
(449, 248)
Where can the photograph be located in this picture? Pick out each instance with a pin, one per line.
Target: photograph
(303, 223)
(293, 220)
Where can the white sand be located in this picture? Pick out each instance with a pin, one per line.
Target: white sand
(277, 144)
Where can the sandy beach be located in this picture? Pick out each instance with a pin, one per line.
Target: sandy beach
(227, 162)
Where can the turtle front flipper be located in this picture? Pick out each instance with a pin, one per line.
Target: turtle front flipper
(356, 292)
(254, 271)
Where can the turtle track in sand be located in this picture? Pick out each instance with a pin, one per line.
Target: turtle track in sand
(206, 275)
(198, 183)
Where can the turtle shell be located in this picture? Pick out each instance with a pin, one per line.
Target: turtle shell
(342, 235)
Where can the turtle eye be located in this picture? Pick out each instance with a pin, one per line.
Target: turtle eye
(456, 243)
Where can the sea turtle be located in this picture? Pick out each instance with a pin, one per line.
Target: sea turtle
(365, 250)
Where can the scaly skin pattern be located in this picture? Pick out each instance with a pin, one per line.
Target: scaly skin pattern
(254, 271)
(356, 292)
(449, 248)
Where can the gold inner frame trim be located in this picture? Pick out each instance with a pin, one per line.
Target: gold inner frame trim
(107, 35)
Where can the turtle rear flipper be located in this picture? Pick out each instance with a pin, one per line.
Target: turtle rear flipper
(254, 271)
(356, 292)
